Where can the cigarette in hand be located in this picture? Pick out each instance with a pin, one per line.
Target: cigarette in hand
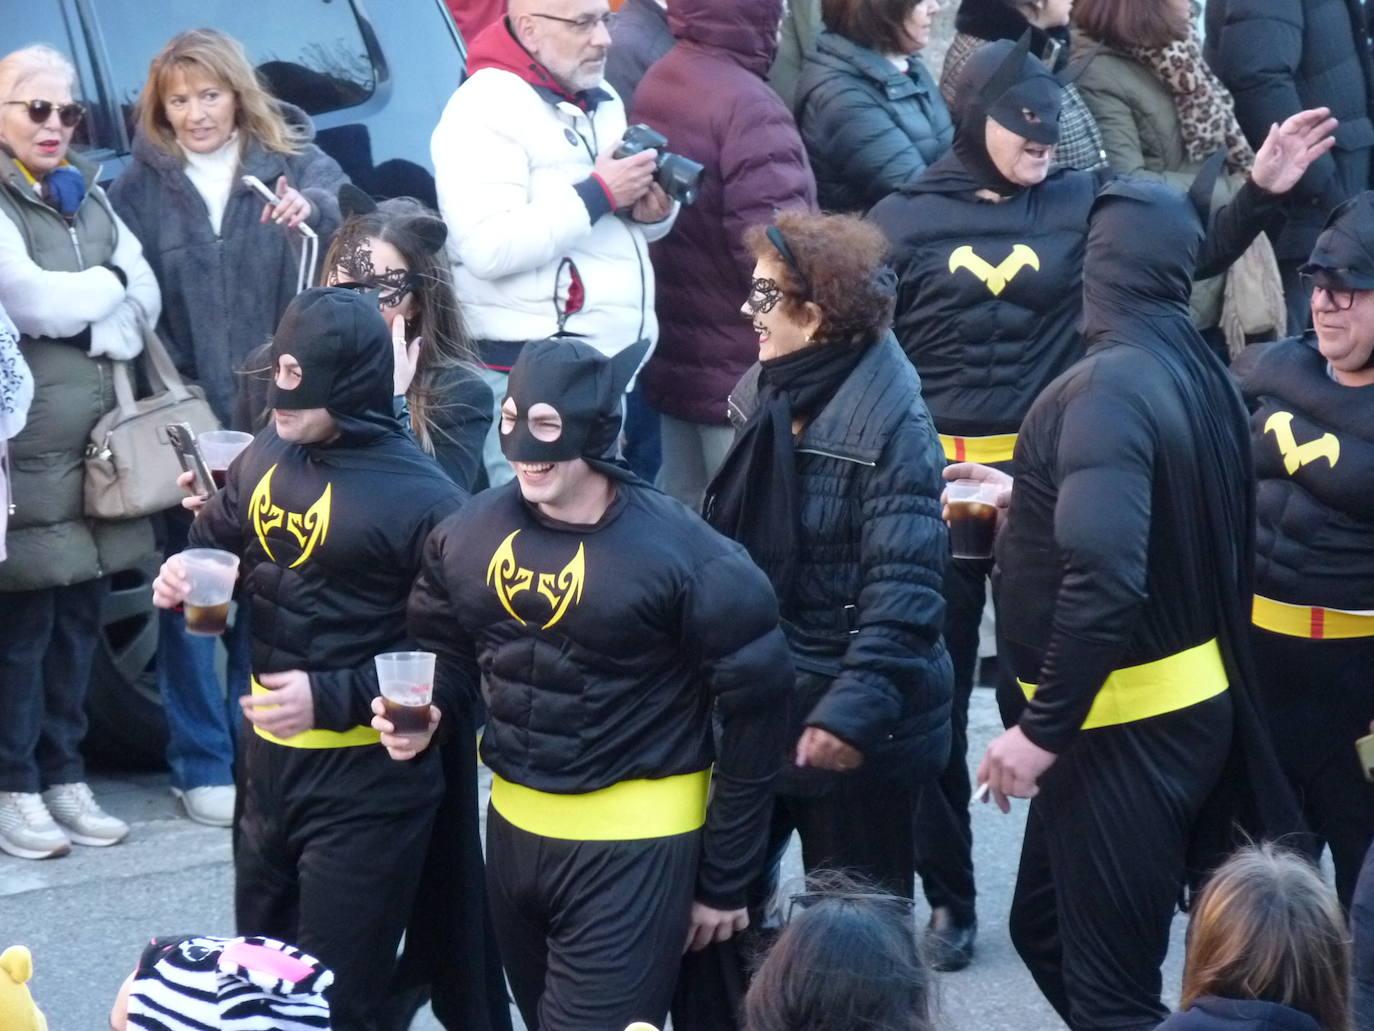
(981, 795)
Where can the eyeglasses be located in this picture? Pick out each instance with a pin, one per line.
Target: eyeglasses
(585, 25)
(779, 243)
(39, 111)
(1341, 300)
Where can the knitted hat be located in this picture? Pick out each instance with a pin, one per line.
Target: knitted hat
(233, 984)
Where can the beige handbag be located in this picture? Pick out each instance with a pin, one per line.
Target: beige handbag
(1252, 307)
(130, 469)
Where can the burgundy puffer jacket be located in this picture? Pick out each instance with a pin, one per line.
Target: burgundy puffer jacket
(709, 97)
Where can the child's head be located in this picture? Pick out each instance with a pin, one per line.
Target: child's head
(191, 983)
(1268, 927)
(848, 960)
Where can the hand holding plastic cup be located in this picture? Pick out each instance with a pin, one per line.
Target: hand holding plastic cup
(220, 448)
(972, 506)
(407, 683)
(211, 574)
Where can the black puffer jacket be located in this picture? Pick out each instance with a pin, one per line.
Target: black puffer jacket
(868, 127)
(1278, 57)
(864, 619)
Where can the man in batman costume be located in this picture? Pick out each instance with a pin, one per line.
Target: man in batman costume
(988, 247)
(606, 625)
(328, 509)
(1125, 585)
(1311, 400)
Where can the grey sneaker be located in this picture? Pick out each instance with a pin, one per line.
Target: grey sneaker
(75, 809)
(27, 829)
(212, 805)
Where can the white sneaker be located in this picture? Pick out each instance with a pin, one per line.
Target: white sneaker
(75, 809)
(27, 829)
(212, 805)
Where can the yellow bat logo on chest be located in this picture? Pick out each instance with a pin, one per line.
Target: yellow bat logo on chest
(994, 277)
(508, 578)
(1296, 455)
(309, 528)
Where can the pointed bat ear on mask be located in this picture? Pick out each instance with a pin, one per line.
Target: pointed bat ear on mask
(1204, 183)
(431, 232)
(622, 368)
(353, 201)
(1009, 72)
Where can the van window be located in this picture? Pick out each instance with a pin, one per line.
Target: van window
(308, 52)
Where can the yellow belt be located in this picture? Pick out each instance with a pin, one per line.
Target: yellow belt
(1310, 621)
(979, 449)
(627, 811)
(318, 738)
(1154, 688)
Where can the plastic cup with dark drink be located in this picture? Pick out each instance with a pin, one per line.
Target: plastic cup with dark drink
(220, 448)
(407, 683)
(212, 574)
(972, 519)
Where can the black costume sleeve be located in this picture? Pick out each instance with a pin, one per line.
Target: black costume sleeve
(219, 523)
(434, 624)
(462, 418)
(903, 551)
(1234, 227)
(730, 621)
(343, 697)
(1102, 529)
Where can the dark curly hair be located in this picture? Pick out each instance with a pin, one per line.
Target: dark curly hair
(841, 258)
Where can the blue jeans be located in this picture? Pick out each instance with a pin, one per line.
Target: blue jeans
(202, 715)
(202, 712)
(47, 640)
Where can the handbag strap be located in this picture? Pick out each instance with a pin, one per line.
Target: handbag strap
(162, 365)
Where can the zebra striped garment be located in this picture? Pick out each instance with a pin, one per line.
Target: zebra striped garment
(228, 984)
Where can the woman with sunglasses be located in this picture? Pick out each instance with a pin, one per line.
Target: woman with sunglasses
(227, 265)
(74, 282)
(832, 485)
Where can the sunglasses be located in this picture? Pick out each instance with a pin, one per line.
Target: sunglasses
(40, 111)
(899, 906)
(1341, 300)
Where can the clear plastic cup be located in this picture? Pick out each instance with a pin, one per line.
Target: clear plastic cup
(212, 574)
(972, 519)
(407, 683)
(220, 448)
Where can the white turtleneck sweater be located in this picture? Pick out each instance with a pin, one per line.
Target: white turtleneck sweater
(212, 175)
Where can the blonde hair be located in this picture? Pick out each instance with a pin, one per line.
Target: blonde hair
(20, 65)
(221, 58)
(1268, 927)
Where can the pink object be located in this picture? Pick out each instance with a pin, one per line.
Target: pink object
(268, 961)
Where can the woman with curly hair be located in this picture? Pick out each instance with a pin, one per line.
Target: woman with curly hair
(832, 485)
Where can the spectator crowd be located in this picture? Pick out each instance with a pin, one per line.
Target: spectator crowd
(746, 367)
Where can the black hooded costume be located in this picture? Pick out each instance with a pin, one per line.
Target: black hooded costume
(603, 651)
(1313, 441)
(1125, 568)
(989, 304)
(331, 833)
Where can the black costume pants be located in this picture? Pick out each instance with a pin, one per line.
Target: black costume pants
(1104, 862)
(943, 834)
(1319, 698)
(328, 850)
(590, 932)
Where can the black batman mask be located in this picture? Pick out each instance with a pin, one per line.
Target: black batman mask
(1343, 256)
(1004, 81)
(585, 389)
(343, 349)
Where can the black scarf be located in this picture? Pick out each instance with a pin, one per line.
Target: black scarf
(753, 498)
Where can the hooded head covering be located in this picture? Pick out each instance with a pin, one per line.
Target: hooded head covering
(585, 388)
(1136, 294)
(1002, 81)
(1343, 257)
(243, 984)
(343, 347)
